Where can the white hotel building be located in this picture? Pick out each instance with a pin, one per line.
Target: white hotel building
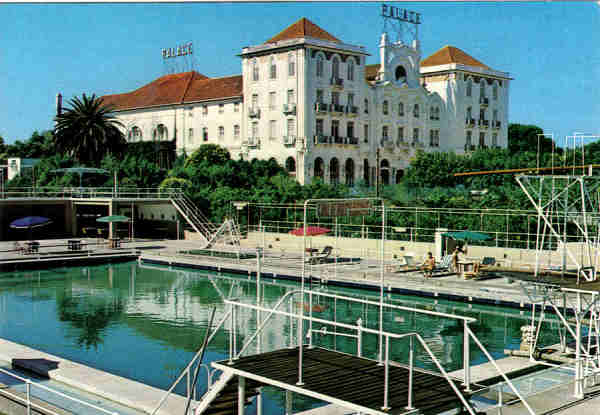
(311, 102)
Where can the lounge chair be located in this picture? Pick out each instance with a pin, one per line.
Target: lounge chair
(444, 264)
(317, 259)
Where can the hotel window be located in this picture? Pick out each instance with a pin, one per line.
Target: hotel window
(495, 115)
(254, 132)
(291, 127)
(366, 106)
(221, 132)
(351, 69)
(494, 140)
(401, 109)
(481, 139)
(469, 87)
(366, 133)
(291, 97)
(190, 135)
(469, 113)
(291, 64)
(320, 96)
(416, 111)
(272, 129)
(273, 71)
(400, 134)
(495, 91)
(272, 100)
(350, 130)
(205, 134)
(350, 99)
(432, 113)
(255, 73)
(236, 132)
(160, 133)
(221, 108)
(415, 135)
(335, 128)
(335, 98)
(482, 114)
(384, 133)
(482, 87)
(135, 134)
(385, 108)
(204, 109)
(319, 130)
(469, 140)
(320, 66)
(254, 101)
(335, 68)
(434, 138)
(236, 107)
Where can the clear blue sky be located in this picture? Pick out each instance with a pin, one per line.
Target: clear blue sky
(550, 48)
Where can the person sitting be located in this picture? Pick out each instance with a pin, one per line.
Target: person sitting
(428, 265)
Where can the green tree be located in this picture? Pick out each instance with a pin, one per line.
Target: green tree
(88, 131)
(210, 153)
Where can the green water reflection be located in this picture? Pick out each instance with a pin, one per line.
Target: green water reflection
(145, 323)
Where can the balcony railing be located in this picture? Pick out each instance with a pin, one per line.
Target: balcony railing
(253, 142)
(321, 139)
(289, 140)
(353, 140)
(496, 124)
(289, 108)
(254, 112)
(338, 140)
(470, 122)
(484, 101)
(321, 107)
(484, 123)
(351, 109)
(337, 108)
(335, 81)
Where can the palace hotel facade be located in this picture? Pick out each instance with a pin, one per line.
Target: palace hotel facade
(310, 101)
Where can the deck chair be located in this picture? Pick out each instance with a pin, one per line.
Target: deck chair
(444, 264)
(317, 259)
(488, 261)
(19, 248)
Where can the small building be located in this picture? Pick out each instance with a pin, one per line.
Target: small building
(17, 166)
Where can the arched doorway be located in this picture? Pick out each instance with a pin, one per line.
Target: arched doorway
(290, 165)
(366, 172)
(319, 168)
(349, 172)
(385, 172)
(334, 171)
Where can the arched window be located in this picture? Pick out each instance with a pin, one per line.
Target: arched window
(366, 172)
(255, 72)
(469, 87)
(349, 172)
(160, 133)
(319, 66)
(319, 168)
(400, 74)
(335, 68)
(290, 165)
(385, 108)
(401, 109)
(135, 134)
(416, 111)
(366, 106)
(351, 69)
(334, 171)
(385, 172)
(273, 71)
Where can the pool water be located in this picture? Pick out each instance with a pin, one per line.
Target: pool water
(146, 322)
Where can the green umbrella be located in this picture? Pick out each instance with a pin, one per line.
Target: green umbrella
(467, 236)
(113, 218)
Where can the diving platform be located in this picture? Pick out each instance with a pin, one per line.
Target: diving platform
(353, 382)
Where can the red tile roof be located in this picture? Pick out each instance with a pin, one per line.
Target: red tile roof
(303, 28)
(176, 89)
(450, 54)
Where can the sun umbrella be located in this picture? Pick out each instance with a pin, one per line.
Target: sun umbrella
(113, 218)
(30, 222)
(310, 231)
(468, 236)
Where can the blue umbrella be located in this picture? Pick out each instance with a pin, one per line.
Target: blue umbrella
(30, 222)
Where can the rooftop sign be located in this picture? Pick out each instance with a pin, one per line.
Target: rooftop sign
(402, 15)
(180, 50)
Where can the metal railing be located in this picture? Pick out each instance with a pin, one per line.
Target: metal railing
(29, 394)
(384, 336)
(88, 193)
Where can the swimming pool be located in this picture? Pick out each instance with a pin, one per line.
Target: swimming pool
(146, 322)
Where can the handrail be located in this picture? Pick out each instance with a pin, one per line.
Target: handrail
(31, 404)
(190, 364)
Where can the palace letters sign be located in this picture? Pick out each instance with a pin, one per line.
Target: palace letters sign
(181, 50)
(400, 14)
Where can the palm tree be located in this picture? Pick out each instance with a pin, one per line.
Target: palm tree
(88, 131)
